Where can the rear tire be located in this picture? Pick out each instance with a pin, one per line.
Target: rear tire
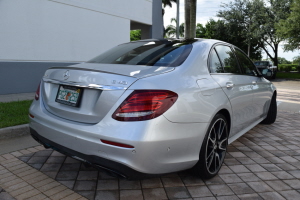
(213, 149)
(272, 113)
(274, 75)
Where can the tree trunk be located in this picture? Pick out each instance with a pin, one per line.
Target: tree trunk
(187, 14)
(249, 49)
(193, 12)
(276, 55)
(177, 20)
(163, 27)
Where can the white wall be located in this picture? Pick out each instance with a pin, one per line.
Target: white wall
(136, 10)
(66, 30)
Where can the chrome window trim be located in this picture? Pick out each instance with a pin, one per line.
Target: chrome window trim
(84, 85)
(256, 70)
(232, 47)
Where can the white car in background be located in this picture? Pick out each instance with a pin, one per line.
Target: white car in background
(153, 106)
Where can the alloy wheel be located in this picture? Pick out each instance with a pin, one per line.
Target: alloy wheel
(216, 146)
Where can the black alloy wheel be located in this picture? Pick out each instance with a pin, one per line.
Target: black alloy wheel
(216, 146)
(213, 149)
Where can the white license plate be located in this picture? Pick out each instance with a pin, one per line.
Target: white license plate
(69, 95)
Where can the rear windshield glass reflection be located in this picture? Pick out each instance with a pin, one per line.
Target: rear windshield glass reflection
(154, 53)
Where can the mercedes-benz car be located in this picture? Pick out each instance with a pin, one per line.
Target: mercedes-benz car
(152, 107)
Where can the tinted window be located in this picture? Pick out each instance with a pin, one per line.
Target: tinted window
(261, 63)
(245, 63)
(154, 53)
(228, 59)
(215, 64)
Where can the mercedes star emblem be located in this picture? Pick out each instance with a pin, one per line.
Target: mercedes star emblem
(66, 74)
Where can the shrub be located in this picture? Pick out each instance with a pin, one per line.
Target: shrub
(287, 67)
(280, 68)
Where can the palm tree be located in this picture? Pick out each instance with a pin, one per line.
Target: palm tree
(190, 7)
(166, 3)
(193, 18)
(171, 29)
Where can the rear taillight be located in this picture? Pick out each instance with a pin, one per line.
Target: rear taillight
(144, 105)
(37, 93)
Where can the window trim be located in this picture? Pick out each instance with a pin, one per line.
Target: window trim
(244, 73)
(232, 49)
(209, 59)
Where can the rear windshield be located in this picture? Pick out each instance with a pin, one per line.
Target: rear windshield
(261, 63)
(154, 53)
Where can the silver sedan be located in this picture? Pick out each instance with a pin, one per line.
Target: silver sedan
(153, 106)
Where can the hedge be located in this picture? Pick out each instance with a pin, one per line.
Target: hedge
(288, 67)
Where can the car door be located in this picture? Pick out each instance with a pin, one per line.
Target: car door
(226, 72)
(261, 93)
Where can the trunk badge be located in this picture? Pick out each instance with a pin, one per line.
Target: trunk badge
(66, 74)
(119, 82)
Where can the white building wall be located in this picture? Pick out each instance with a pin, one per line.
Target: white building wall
(137, 10)
(66, 30)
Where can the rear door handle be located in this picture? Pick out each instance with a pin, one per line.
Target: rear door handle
(254, 83)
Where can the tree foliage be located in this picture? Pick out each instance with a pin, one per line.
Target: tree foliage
(135, 35)
(166, 3)
(258, 20)
(290, 28)
(170, 30)
(220, 30)
(200, 31)
(283, 61)
(296, 60)
(228, 32)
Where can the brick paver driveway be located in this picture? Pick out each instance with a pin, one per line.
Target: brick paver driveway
(263, 164)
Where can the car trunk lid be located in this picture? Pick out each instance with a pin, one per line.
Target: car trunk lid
(94, 88)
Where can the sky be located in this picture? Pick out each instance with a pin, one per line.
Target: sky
(208, 9)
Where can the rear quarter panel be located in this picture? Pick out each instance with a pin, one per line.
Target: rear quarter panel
(199, 96)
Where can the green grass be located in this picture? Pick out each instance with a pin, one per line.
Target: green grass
(14, 113)
(288, 75)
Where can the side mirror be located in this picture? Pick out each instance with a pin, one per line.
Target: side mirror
(267, 73)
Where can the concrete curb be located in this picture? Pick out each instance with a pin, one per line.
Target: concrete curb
(283, 79)
(14, 131)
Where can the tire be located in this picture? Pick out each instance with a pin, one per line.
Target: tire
(213, 149)
(272, 113)
(274, 75)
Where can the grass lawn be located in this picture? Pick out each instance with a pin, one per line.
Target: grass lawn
(14, 113)
(288, 75)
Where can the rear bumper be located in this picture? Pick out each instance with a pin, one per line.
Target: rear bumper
(160, 146)
(96, 161)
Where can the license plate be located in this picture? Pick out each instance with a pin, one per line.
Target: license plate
(69, 95)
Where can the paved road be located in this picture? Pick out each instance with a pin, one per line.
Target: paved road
(262, 164)
(288, 96)
(17, 143)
